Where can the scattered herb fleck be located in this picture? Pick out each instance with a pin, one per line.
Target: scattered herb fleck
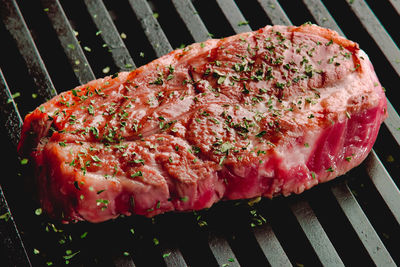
(165, 255)
(242, 23)
(138, 173)
(5, 216)
(261, 134)
(106, 70)
(38, 211)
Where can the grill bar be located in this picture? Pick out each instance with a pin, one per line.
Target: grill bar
(9, 234)
(110, 35)
(321, 15)
(8, 107)
(10, 238)
(151, 27)
(191, 19)
(173, 257)
(393, 122)
(396, 5)
(221, 250)
(275, 12)
(16, 25)
(377, 32)
(361, 225)
(384, 183)
(68, 41)
(270, 245)
(234, 16)
(123, 261)
(169, 247)
(315, 234)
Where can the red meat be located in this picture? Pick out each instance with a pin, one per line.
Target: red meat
(270, 112)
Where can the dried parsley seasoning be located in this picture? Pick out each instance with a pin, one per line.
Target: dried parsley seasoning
(159, 80)
(329, 43)
(261, 134)
(184, 198)
(165, 255)
(330, 169)
(280, 85)
(356, 67)
(313, 175)
(137, 161)
(136, 174)
(245, 90)
(5, 216)
(103, 203)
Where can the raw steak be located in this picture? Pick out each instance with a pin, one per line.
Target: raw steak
(270, 112)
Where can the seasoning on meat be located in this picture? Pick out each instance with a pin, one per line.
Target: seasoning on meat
(275, 111)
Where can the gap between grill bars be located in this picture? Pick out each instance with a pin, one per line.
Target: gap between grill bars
(220, 245)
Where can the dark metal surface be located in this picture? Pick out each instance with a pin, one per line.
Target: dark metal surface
(316, 234)
(13, 121)
(12, 249)
(192, 20)
(109, 34)
(384, 183)
(351, 221)
(151, 27)
(69, 42)
(362, 226)
(16, 26)
(270, 245)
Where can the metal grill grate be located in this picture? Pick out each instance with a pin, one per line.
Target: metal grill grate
(48, 44)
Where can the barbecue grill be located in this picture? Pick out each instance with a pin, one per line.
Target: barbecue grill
(49, 45)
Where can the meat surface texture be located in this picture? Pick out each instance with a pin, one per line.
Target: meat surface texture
(264, 113)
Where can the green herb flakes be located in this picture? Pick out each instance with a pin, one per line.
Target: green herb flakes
(106, 70)
(38, 211)
(221, 161)
(165, 255)
(5, 216)
(261, 134)
(138, 173)
(313, 175)
(83, 236)
(13, 96)
(69, 255)
(155, 241)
